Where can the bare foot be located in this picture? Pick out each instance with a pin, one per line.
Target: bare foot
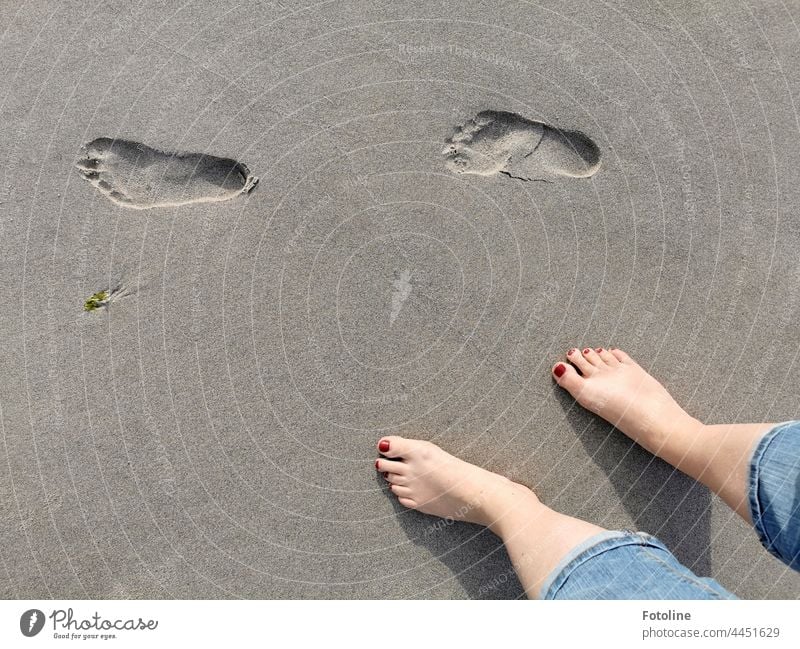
(426, 478)
(611, 384)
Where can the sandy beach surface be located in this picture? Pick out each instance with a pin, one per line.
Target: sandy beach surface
(328, 262)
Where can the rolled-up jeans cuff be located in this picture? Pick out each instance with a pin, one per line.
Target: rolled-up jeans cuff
(758, 513)
(591, 547)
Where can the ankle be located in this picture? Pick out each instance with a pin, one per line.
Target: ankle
(675, 444)
(514, 509)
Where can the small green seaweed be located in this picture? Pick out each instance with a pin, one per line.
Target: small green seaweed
(99, 299)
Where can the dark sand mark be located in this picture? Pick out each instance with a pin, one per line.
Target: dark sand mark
(495, 142)
(138, 176)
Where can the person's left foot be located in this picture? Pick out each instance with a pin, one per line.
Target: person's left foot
(426, 478)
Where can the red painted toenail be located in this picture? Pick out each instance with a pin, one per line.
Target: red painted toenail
(376, 464)
(386, 474)
(383, 446)
(571, 351)
(559, 370)
(587, 350)
(599, 349)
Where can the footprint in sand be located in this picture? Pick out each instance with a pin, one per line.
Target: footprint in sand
(499, 142)
(140, 177)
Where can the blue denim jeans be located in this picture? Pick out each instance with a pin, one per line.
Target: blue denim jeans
(634, 565)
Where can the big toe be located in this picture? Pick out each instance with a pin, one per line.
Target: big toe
(568, 378)
(457, 162)
(393, 446)
(98, 147)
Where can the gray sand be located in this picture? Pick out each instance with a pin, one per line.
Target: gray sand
(210, 432)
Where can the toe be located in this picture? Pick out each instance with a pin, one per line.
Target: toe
(460, 135)
(396, 478)
(394, 446)
(87, 164)
(88, 174)
(390, 466)
(607, 357)
(622, 357)
(592, 356)
(568, 378)
(99, 178)
(456, 161)
(119, 197)
(403, 492)
(577, 358)
(407, 502)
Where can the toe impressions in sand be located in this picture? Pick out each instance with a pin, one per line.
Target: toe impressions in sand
(140, 177)
(499, 142)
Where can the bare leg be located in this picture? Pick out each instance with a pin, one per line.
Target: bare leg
(426, 478)
(611, 384)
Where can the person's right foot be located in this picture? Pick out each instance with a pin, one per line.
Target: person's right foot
(611, 384)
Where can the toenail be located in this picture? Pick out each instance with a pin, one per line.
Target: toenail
(599, 349)
(571, 351)
(559, 370)
(386, 474)
(587, 350)
(383, 446)
(376, 464)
